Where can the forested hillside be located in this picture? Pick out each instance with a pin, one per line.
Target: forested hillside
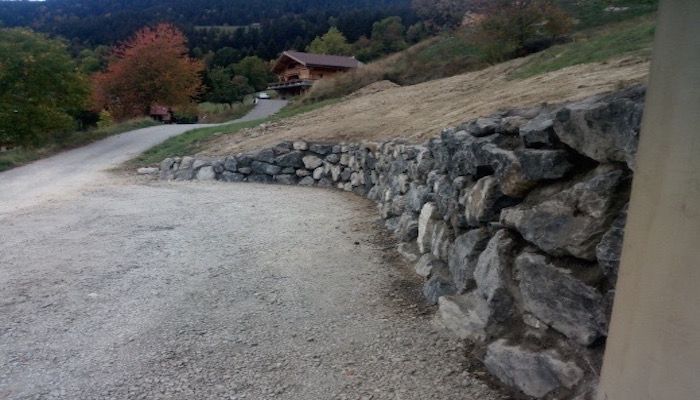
(209, 24)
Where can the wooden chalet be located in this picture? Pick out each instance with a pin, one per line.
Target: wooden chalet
(297, 71)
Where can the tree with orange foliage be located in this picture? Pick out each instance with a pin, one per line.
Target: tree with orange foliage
(151, 68)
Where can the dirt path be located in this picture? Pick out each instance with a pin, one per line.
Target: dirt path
(64, 174)
(214, 291)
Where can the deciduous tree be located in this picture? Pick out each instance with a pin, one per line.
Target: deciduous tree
(151, 68)
(518, 27)
(40, 88)
(332, 42)
(255, 70)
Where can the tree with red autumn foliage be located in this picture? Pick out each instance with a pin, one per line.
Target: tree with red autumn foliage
(151, 68)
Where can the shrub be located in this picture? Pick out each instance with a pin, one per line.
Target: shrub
(105, 119)
(513, 28)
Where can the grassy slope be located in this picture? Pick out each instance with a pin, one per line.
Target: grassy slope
(633, 38)
(451, 54)
(20, 156)
(195, 140)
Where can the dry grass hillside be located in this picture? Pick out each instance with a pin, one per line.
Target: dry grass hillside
(420, 111)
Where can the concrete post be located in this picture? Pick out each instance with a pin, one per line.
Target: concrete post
(653, 351)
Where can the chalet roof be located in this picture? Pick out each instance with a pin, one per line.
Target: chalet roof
(317, 60)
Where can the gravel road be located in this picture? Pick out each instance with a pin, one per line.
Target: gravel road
(64, 174)
(117, 287)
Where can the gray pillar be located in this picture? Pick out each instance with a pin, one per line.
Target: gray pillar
(653, 351)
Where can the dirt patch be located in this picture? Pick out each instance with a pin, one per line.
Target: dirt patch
(418, 112)
(375, 87)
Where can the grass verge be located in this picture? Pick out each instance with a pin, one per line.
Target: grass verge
(21, 156)
(214, 113)
(193, 141)
(633, 37)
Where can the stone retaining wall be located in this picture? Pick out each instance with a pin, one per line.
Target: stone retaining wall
(515, 220)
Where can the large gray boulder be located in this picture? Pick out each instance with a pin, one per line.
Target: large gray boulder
(231, 164)
(464, 256)
(539, 131)
(467, 316)
(572, 221)
(485, 201)
(560, 300)
(492, 274)
(416, 196)
(206, 174)
(609, 250)
(312, 162)
(438, 284)
(264, 155)
(407, 228)
(426, 264)
(259, 167)
(605, 129)
(292, 159)
(186, 171)
(534, 373)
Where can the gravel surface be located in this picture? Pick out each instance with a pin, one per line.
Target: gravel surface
(64, 174)
(148, 290)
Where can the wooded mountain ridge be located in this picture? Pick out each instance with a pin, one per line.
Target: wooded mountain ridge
(94, 22)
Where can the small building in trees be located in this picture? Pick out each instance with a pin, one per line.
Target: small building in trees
(297, 71)
(161, 113)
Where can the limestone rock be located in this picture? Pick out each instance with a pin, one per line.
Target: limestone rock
(206, 174)
(416, 196)
(464, 256)
(426, 263)
(482, 126)
(260, 178)
(231, 164)
(492, 274)
(307, 181)
(409, 251)
(572, 221)
(604, 129)
(148, 171)
(609, 249)
(407, 229)
(292, 159)
(467, 316)
(485, 201)
(265, 155)
(426, 226)
(303, 172)
(560, 300)
(259, 167)
(321, 149)
(312, 162)
(534, 373)
(300, 145)
(441, 240)
(439, 284)
(286, 179)
(318, 173)
(538, 132)
(228, 176)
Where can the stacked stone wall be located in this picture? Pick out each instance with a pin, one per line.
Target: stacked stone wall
(514, 220)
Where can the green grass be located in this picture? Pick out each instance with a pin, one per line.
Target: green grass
(632, 37)
(21, 156)
(196, 140)
(212, 113)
